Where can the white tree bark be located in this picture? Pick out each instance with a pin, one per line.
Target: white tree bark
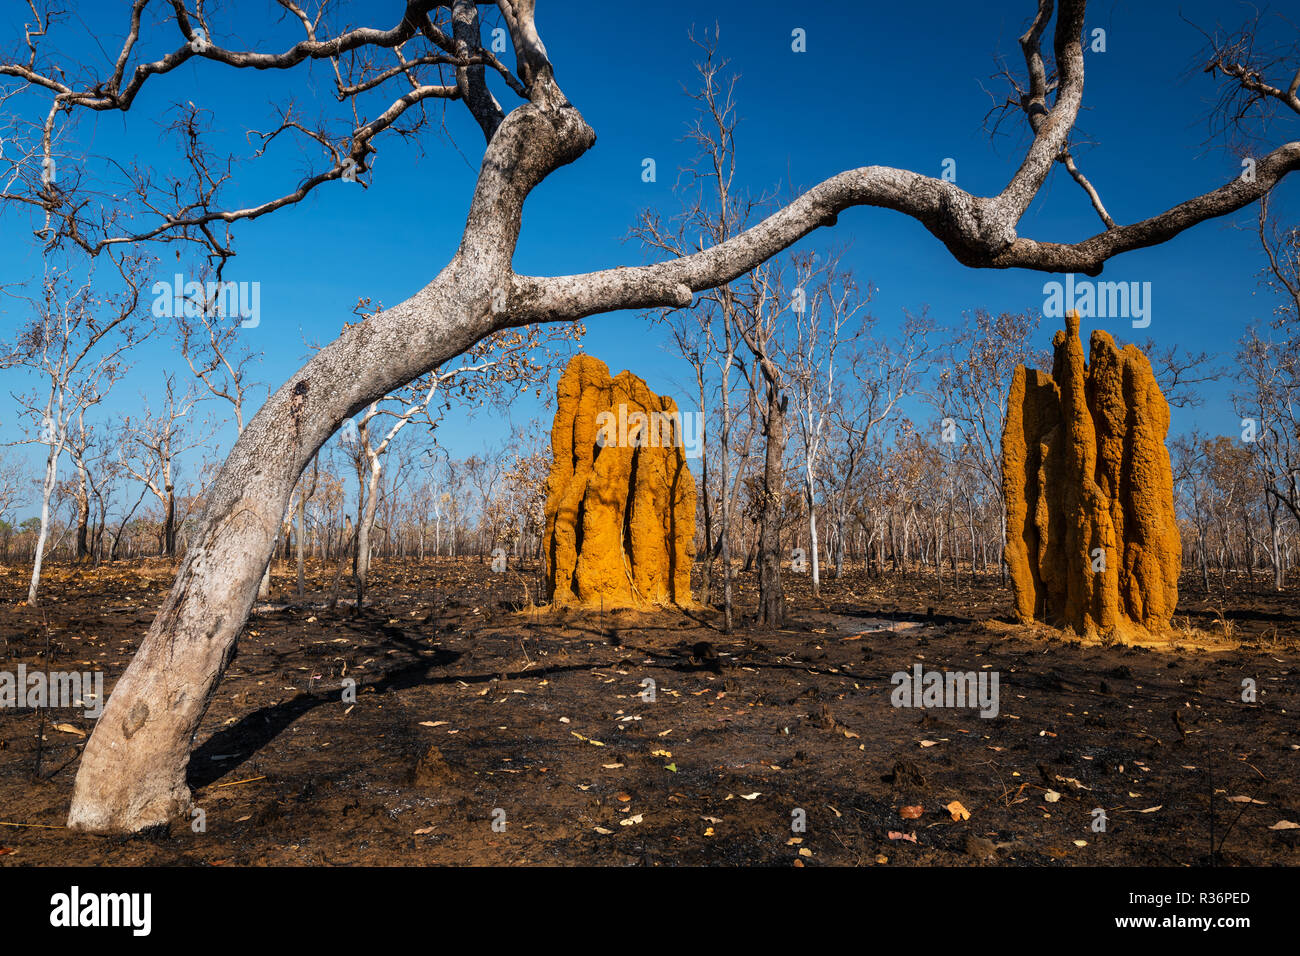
(47, 490)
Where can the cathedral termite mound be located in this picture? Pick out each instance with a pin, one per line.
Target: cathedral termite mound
(1092, 543)
(620, 501)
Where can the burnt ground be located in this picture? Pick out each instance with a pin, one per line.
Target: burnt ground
(467, 705)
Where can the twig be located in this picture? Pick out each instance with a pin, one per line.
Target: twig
(38, 826)
(235, 783)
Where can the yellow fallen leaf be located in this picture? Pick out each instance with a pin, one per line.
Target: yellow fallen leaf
(69, 729)
(958, 812)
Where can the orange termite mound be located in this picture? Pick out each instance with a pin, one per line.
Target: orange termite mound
(1092, 543)
(620, 501)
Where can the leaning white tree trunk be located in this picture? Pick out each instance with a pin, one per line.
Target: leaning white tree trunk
(133, 769)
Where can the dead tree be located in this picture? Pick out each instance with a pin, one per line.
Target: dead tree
(830, 313)
(877, 374)
(154, 443)
(76, 344)
(12, 480)
(971, 396)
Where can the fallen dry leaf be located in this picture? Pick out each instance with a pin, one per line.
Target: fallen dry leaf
(910, 813)
(958, 812)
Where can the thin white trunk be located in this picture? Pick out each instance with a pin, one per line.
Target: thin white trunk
(47, 490)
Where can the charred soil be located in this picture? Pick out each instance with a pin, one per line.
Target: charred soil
(472, 708)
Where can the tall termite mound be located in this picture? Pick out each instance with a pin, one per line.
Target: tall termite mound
(1092, 543)
(620, 501)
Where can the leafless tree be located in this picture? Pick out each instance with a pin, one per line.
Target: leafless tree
(80, 450)
(153, 444)
(877, 373)
(1179, 373)
(1281, 246)
(209, 342)
(12, 480)
(714, 209)
(76, 343)
(760, 322)
(971, 394)
(831, 310)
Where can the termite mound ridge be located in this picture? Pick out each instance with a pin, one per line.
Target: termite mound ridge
(1092, 542)
(620, 501)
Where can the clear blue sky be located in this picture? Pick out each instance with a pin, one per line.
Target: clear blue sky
(880, 83)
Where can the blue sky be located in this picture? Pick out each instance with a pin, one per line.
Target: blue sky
(877, 85)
